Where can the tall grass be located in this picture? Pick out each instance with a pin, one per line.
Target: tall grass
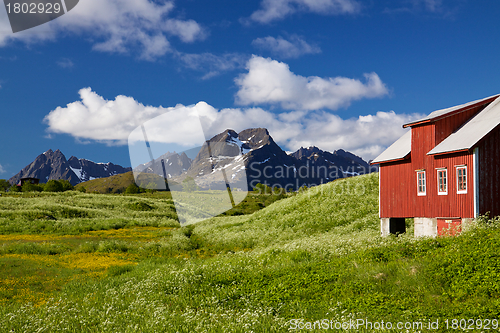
(342, 213)
(74, 212)
(317, 255)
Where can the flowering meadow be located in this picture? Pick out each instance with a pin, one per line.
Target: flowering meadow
(77, 262)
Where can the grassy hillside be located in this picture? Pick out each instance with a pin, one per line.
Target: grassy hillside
(314, 256)
(71, 213)
(113, 184)
(118, 184)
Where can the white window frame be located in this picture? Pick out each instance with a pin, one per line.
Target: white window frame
(445, 192)
(459, 191)
(424, 185)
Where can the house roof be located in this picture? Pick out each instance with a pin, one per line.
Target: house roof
(467, 136)
(397, 151)
(436, 115)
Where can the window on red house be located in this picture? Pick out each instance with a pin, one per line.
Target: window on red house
(462, 179)
(442, 181)
(421, 183)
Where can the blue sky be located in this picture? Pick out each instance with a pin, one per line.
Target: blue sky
(331, 73)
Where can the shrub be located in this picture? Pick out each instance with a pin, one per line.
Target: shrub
(28, 187)
(278, 190)
(132, 189)
(53, 186)
(140, 206)
(15, 188)
(262, 189)
(4, 185)
(66, 185)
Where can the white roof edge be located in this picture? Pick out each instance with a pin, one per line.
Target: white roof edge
(442, 112)
(472, 131)
(398, 150)
(445, 151)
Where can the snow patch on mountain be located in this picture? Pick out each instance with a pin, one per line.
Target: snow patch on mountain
(78, 172)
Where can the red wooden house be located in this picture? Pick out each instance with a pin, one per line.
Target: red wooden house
(444, 172)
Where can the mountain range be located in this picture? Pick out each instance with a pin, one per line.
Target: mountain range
(252, 150)
(54, 165)
(255, 151)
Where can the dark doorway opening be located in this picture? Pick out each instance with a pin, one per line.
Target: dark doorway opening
(397, 225)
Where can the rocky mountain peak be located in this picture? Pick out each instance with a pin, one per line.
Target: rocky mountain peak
(185, 160)
(306, 152)
(53, 165)
(224, 136)
(254, 136)
(351, 156)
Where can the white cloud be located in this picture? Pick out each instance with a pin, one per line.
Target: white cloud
(65, 63)
(116, 26)
(111, 121)
(95, 118)
(2, 170)
(188, 31)
(212, 64)
(293, 48)
(271, 82)
(272, 10)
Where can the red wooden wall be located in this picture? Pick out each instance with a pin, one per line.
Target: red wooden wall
(445, 126)
(398, 183)
(452, 204)
(489, 174)
(396, 186)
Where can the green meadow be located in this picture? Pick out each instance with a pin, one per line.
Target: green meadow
(81, 262)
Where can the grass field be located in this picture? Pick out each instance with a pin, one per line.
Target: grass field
(113, 263)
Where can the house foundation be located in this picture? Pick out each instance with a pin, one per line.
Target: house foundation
(393, 225)
(467, 224)
(425, 227)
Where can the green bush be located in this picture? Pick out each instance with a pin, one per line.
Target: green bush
(132, 189)
(4, 185)
(262, 189)
(140, 206)
(53, 186)
(15, 188)
(66, 185)
(28, 187)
